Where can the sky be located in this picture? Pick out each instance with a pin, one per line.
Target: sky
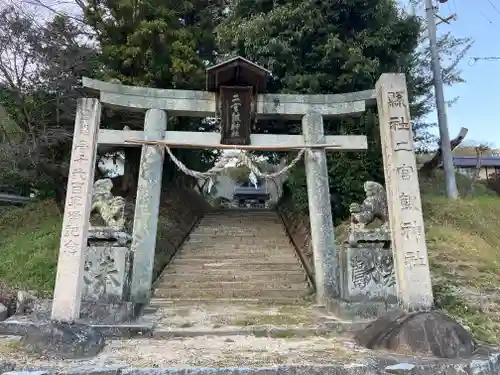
(479, 96)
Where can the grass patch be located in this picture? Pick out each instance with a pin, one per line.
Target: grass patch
(464, 252)
(29, 243)
(434, 185)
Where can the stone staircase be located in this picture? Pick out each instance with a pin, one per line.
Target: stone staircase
(235, 255)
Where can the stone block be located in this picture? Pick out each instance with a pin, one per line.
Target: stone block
(3, 312)
(107, 273)
(367, 275)
(367, 282)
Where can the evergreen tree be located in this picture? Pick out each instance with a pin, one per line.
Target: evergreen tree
(329, 47)
(161, 44)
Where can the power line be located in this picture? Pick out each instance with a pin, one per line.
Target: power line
(473, 60)
(494, 7)
(489, 21)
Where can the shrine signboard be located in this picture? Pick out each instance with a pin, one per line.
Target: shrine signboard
(237, 83)
(235, 105)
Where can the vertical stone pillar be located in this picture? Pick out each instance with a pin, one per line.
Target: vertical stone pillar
(320, 212)
(147, 206)
(403, 194)
(69, 279)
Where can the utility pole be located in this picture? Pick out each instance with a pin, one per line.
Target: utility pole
(449, 172)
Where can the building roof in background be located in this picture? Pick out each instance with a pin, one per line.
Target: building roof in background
(471, 161)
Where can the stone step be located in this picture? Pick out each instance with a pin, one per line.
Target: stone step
(242, 213)
(240, 225)
(235, 247)
(230, 293)
(196, 284)
(222, 236)
(243, 231)
(207, 240)
(235, 220)
(237, 255)
(225, 218)
(243, 276)
(183, 268)
(178, 261)
(241, 220)
(169, 302)
(278, 232)
(215, 240)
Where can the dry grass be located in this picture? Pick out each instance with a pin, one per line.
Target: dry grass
(464, 249)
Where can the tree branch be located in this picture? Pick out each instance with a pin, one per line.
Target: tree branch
(437, 159)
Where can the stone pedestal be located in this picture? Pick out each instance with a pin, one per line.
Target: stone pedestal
(107, 269)
(367, 278)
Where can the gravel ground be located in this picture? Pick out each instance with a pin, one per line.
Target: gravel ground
(206, 317)
(202, 351)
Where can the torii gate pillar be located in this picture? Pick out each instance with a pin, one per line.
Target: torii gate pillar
(147, 207)
(320, 211)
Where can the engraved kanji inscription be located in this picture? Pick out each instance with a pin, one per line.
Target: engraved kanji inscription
(74, 201)
(84, 127)
(369, 266)
(396, 99)
(401, 145)
(414, 259)
(74, 215)
(71, 230)
(71, 246)
(359, 275)
(406, 201)
(398, 123)
(81, 151)
(405, 172)
(235, 108)
(78, 174)
(100, 274)
(411, 230)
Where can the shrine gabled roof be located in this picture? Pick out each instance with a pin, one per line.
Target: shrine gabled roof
(252, 73)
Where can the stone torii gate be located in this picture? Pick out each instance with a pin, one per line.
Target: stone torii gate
(233, 95)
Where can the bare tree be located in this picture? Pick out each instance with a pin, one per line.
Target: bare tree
(429, 166)
(40, 70)
(480, 150)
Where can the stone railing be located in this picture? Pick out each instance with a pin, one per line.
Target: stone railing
(180, 211)
(298, 229)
